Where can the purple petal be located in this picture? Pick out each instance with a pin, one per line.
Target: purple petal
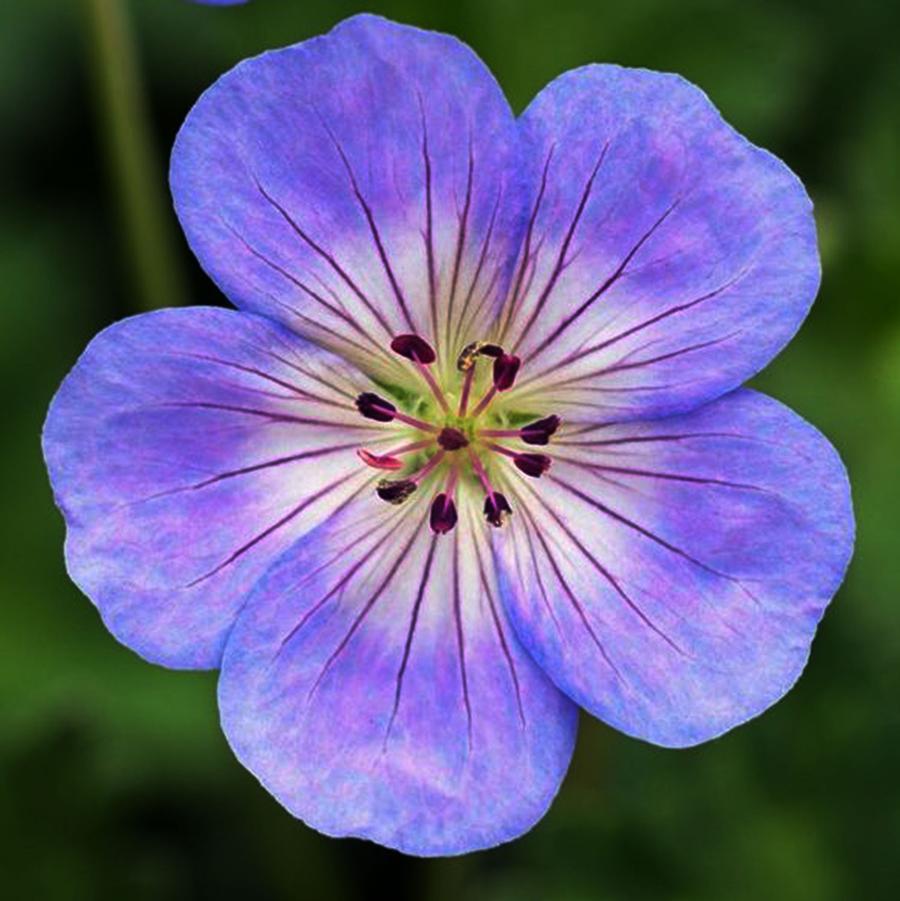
(668, 260)
(187, 449)
(669, 575)
(374, 686)
(356, 186)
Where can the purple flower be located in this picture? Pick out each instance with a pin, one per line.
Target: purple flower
(473, 452)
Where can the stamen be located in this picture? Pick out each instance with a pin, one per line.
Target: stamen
(466, 389)
(376, 461)
(414, 348)
(397, 492)
(534, 465)
(391, 459)
(466, 361)
(506, 368)
(485, 401)
(539, 432)
(496, 507)
(443, 509)
(422, 354)
(429, 466)
(374, 407)
(452, 439)
(443, 514)
(469, 354)
(534, 433)
(433, 385)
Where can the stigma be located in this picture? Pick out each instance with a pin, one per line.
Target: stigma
(457, 442)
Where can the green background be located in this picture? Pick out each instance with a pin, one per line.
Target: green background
(115, 781)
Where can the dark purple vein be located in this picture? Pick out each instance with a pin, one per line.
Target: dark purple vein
(482, 257)
(498, 628)
(341, 583)
(461, 236)
(653, 320)
(607, 575)
(342, 273)
(373, 228)
(564, 248)
(429, 224)
(460, 638)
(253, 370)
(410, 632)
(367, 607)
(668, 476)
(604, 287)
(515, 293)
(270, 530)
(273, 417)
(246, 470)
(573, 598)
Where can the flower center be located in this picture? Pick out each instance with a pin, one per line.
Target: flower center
(455, 439)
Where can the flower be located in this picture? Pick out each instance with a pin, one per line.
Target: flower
(473, 452)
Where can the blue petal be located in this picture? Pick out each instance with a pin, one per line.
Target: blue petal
(668, 260)
(357, 185)
(669, 575)
(374, 686)
(187, 448)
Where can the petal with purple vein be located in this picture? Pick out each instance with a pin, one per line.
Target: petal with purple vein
(374, 686)
(357, 186)
(668, 259)
(669, 575)
(187, 448)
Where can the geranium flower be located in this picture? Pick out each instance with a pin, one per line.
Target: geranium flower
(473, 452)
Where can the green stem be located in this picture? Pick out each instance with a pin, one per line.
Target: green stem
(138, 179)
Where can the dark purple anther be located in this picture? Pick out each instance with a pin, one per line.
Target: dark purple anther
(413, 348)
(496, 509)
(452, 439)
(395, 492)
(539, 432)
(374, 407)
(443, 514)
(506, 367)
(534, 465)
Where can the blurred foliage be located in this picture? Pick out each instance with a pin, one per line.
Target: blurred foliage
(116, 782)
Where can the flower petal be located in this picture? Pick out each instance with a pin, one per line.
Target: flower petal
(356, 186)
(668, 259)
(669, 575)
(186, 449)
(374, 686)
